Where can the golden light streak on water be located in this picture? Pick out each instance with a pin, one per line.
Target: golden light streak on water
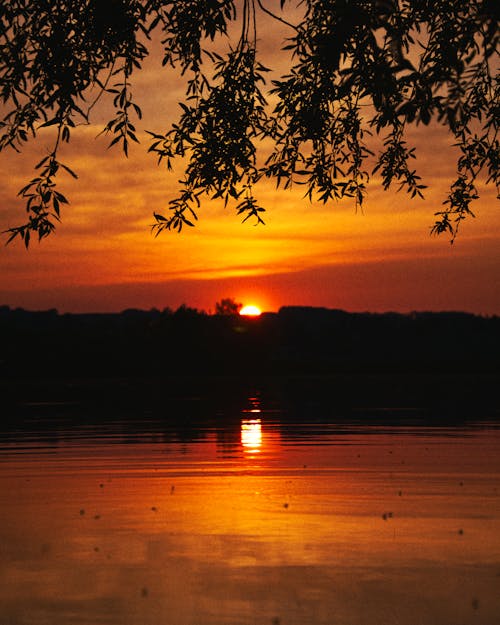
(251, 434)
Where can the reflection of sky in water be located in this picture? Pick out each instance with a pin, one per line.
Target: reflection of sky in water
(328, 523)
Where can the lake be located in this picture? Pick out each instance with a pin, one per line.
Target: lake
(249, 515)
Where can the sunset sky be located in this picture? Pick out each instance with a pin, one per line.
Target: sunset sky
(103, 256)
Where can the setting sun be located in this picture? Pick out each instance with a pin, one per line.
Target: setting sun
(250, 311)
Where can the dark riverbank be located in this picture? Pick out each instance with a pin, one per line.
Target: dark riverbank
(294, 341)
(380, 399)
(316, 363)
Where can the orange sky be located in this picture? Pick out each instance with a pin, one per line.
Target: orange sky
(104, 258)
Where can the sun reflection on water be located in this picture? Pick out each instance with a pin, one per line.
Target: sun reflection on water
(251, 434)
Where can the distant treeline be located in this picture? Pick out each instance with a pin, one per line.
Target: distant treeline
(293, 341)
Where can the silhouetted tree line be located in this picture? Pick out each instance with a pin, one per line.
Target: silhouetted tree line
(295, 341)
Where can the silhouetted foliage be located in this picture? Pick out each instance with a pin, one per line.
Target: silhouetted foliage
(186, 312)
(358, 68)
(227, 306)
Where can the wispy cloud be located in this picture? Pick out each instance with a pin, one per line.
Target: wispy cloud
(305, 250)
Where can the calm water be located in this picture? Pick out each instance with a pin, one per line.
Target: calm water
(250, 521)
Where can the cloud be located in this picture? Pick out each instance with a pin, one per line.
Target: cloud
(453, 282)
(104, 238)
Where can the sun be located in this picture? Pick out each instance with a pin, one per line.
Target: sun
(250, 311)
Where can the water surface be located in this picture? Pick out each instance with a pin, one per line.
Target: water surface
(252, 520)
